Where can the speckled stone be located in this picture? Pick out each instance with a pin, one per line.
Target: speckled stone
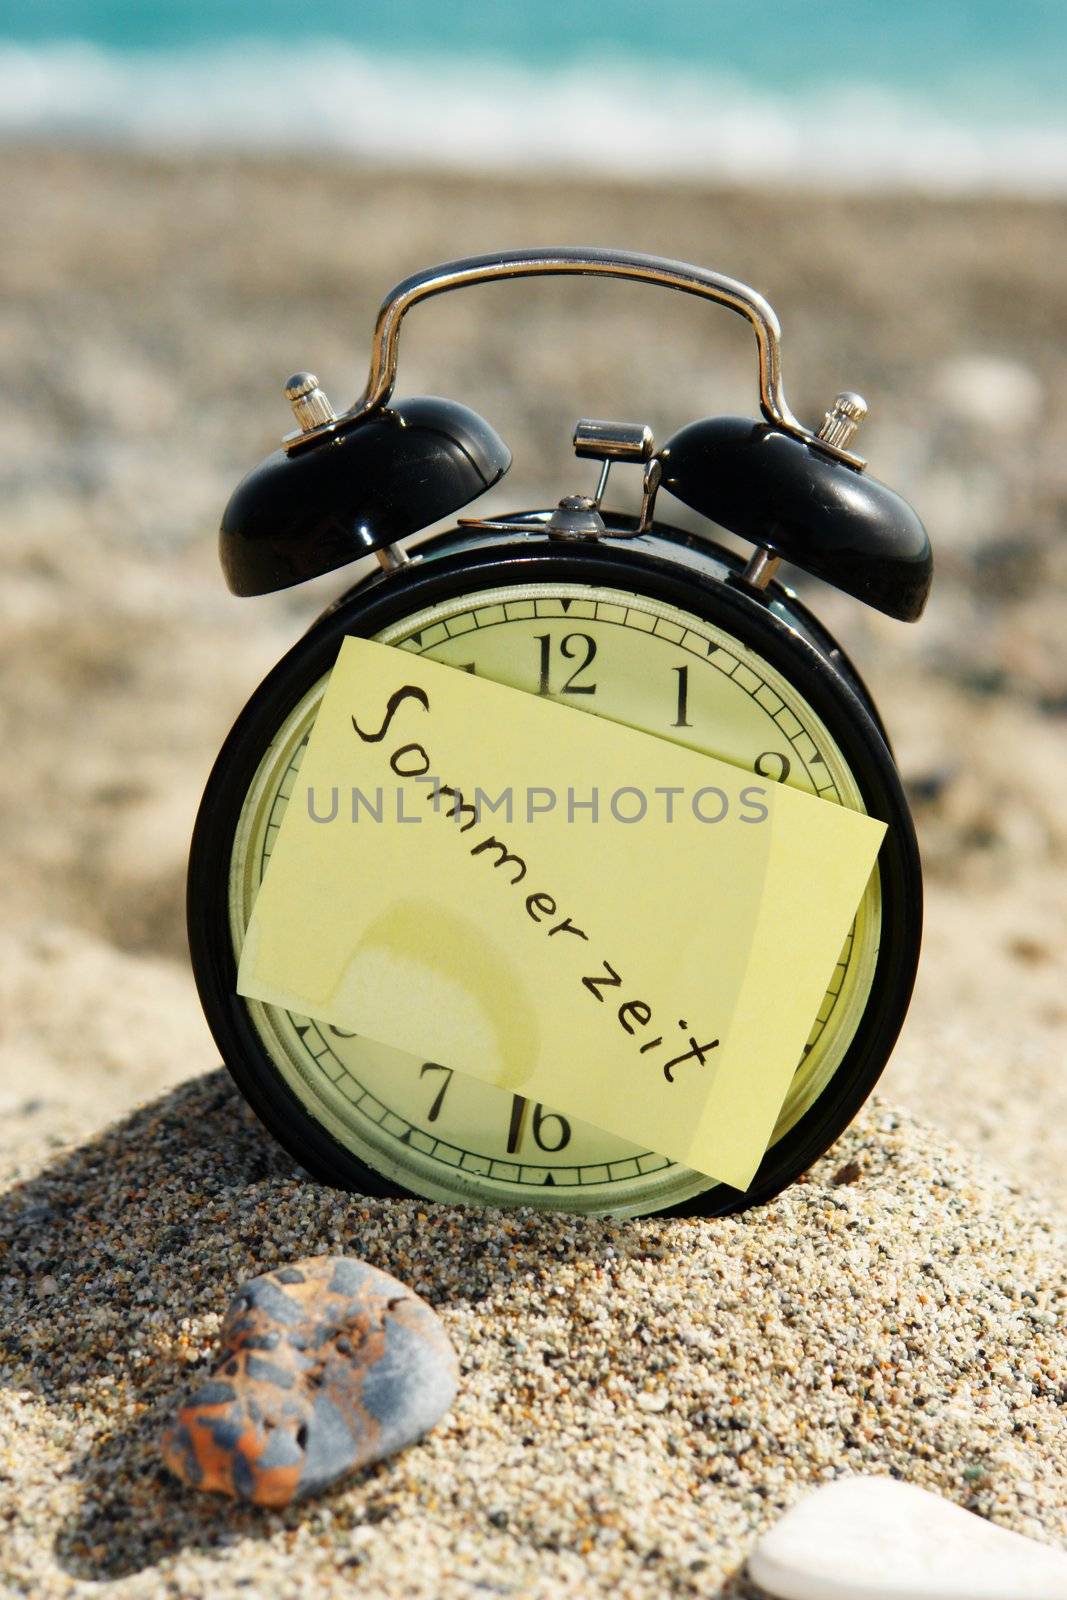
(326, 1365)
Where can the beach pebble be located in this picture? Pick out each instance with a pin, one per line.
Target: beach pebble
(865, 1538)
(991, 390)
(326, 1365)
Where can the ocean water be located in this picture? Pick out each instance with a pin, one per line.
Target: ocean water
(937, 94)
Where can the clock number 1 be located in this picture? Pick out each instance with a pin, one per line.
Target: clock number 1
(539, 1119)
(569, 646)
(682, 720)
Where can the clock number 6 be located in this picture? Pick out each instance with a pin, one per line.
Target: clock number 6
(569, 646)
(540, 1117)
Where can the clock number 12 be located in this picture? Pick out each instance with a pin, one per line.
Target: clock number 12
(569, 645)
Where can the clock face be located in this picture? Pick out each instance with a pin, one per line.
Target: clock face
(613, 654)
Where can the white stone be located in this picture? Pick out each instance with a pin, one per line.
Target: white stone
(878, 1539)
(992, 391)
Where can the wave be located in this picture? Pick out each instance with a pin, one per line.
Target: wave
(605, 117)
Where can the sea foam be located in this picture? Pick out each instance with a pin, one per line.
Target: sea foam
(601, 117)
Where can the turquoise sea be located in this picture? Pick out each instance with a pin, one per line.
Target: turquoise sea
(936, 93)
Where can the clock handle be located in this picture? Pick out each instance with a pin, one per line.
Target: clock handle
(590, 262)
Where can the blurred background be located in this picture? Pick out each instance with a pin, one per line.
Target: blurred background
(200, 199)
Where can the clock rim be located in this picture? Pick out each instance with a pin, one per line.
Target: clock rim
(449, 569)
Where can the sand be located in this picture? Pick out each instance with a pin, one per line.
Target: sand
(151, 311)
(637, 1399)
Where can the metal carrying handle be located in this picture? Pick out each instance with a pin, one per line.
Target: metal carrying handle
(570, 261)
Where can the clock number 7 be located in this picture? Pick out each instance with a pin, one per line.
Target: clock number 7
(433, 1066)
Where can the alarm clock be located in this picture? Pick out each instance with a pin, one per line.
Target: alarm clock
(615, 613)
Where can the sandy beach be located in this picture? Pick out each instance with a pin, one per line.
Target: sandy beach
(638, 1399)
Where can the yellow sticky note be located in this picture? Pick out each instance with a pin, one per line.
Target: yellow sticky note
(604, 921)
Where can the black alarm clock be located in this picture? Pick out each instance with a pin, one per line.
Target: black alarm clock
(617, 614)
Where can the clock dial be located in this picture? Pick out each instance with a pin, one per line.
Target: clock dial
(614, 654)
